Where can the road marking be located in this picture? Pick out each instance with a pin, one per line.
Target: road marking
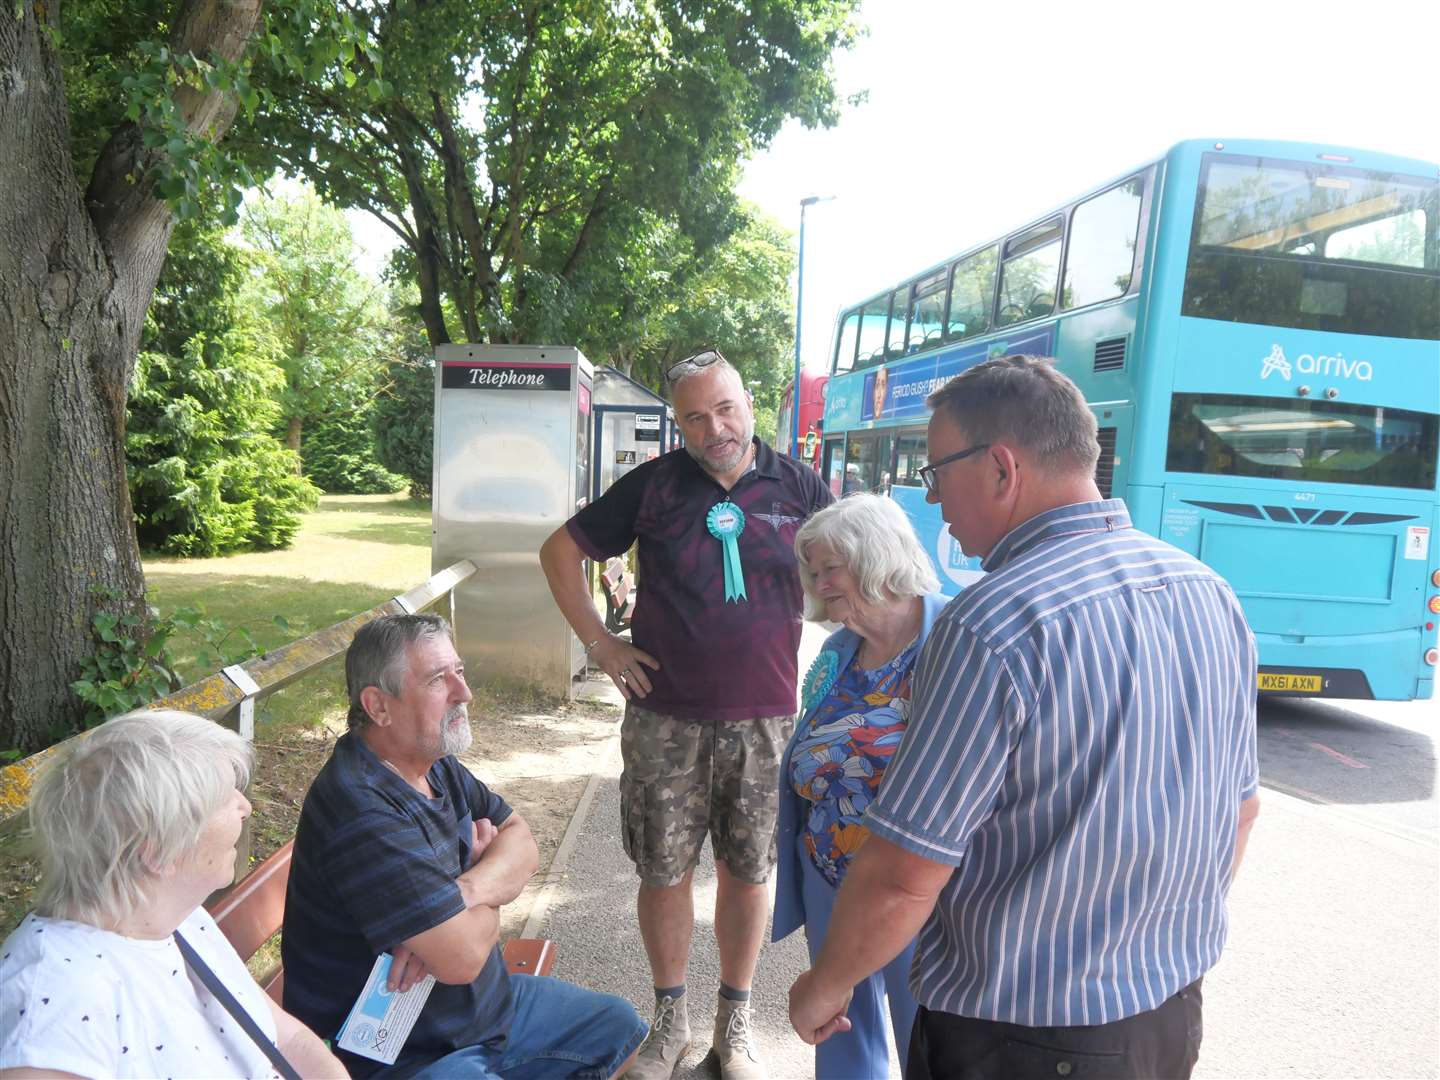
(1350, 761)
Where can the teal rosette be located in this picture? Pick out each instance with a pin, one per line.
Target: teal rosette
(819, 679)
(726, 522)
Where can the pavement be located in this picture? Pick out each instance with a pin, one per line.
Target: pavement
(1329, 971)
(588, 910)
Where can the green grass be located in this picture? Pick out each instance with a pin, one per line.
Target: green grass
(352, 553)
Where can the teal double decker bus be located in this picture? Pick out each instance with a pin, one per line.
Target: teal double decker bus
(1256, 326)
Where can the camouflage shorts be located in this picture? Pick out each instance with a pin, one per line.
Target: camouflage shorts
(684, 779)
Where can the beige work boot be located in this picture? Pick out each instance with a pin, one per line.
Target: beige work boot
(734, 1044)
(666, 1044)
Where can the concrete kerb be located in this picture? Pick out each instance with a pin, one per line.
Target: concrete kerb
(556, 873)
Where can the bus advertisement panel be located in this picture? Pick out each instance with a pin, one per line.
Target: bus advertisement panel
(1257, 329)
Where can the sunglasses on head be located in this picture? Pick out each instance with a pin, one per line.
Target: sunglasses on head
(699, 360)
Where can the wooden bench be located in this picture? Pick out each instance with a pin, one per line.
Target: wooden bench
(252, 912)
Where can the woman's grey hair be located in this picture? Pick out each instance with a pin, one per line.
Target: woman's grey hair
(129, 801)
(877, 543)
(377, 657)
(1024, 401)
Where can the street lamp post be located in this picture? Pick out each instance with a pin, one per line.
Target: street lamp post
(809, 200)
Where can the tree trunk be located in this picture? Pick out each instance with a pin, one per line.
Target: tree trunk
(75, 281)
(294, 426)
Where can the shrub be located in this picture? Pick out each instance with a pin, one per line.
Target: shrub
(206, 477)
(338, 452)
(404, 421)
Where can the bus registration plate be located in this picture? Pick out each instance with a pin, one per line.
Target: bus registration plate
(1290, 683)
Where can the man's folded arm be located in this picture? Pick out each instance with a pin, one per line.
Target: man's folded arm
(504, 868)
(456, 951)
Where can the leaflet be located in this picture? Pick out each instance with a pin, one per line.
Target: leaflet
(380, 1021)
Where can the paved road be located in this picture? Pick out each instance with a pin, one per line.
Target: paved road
(1331, 968)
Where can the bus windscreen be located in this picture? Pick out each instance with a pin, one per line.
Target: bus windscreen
(1312, 246)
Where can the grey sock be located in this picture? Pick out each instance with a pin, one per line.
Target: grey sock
(672, 992)
(729, 993)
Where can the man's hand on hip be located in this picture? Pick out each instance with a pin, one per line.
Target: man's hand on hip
(625, 664)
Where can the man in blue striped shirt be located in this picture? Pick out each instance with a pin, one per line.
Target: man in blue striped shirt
(1079, 775)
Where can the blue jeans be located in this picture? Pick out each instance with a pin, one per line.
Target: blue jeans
(560, 1030)
(860, 1053)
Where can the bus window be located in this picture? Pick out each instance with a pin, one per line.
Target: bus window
(910, 458)
(871, 349)
(1103, 235)
(972, 292)
(1315, 247)
(895, 345)
(845, 348)
(1030, 274)
(867, 463)
(1397, 240)
(927, 312)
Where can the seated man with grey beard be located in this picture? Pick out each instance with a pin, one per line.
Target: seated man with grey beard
(401, 850)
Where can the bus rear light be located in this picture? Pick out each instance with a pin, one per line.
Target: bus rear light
(1434, 605)
(1435, 579)
(1432, 656)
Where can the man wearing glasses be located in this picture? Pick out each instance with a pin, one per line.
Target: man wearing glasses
(709, 679)
(1071, 799)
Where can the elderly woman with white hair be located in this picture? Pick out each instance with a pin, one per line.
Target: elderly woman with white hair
(862, 566)
(119, 971)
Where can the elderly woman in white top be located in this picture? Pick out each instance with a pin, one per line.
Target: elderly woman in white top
(135, 827)
(861, 565)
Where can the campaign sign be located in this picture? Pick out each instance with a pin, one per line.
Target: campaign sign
(953, 567)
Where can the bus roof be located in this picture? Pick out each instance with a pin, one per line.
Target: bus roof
(1187, 148)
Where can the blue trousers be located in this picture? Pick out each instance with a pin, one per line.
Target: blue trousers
(860, 1053)
(560, 1031)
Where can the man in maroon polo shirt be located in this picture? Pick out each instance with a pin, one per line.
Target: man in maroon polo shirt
(713, 659)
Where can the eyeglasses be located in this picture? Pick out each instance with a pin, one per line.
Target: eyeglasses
(927, 473)
(699, 360)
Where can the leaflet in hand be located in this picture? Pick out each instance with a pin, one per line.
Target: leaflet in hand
(381, 1019)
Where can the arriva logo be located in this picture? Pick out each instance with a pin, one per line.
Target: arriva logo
(1306, 364)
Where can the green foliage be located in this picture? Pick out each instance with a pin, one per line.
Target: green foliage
(123, 69)
(404, 419)
(734, 297)
(532, 155)
(132, 665)
(206, 477)
(339, 455)
(325, 316)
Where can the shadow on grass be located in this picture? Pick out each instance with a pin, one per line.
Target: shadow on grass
(412, 533)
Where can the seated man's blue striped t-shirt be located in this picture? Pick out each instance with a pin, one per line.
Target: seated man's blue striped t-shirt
(375, 864)
(1082, 736)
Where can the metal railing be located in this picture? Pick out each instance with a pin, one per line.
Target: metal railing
(228, 696)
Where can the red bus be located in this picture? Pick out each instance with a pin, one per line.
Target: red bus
(812, 410)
